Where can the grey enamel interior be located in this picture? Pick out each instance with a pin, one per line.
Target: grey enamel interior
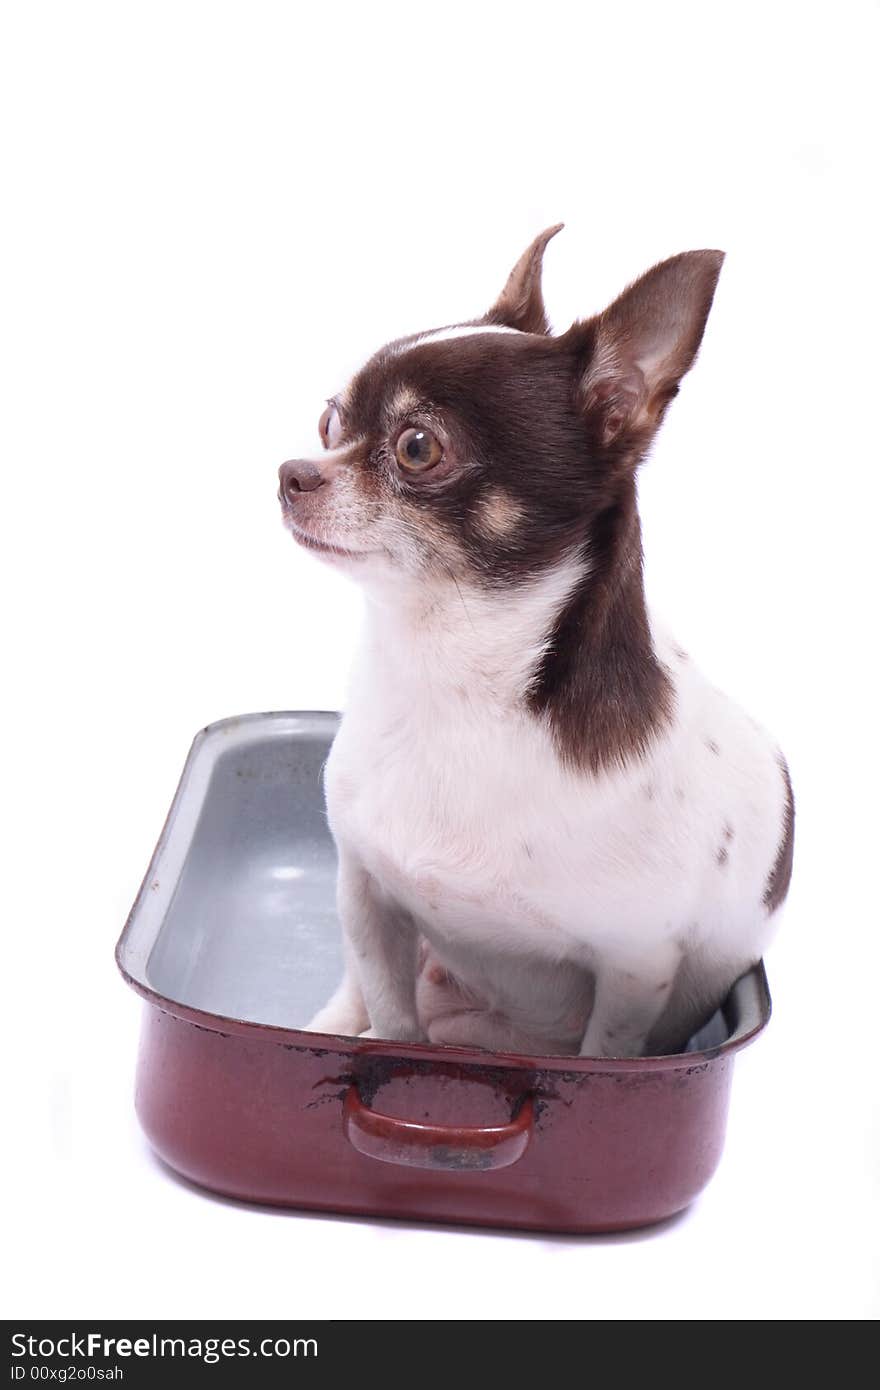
(237, 914)
(251, 930)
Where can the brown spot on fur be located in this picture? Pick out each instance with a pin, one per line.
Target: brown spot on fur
(712, 746)
(722, 856)
(728, 831)
(664, 985)
(780, 874)
(403, 402)
(498, 513)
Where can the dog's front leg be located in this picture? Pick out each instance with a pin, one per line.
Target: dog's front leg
(345, 1011)
(631, 995)
(382, 953)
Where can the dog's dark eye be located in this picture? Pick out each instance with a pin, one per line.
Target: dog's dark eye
(418, 450)
(330, 427)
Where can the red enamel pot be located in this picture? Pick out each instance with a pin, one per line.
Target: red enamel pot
(233, 943)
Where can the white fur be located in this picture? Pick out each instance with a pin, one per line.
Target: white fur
(467, 330)
(578, 908)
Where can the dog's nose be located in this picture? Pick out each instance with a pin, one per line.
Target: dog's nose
(298, 475)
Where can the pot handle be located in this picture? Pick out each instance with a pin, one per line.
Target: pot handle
(450, 1148)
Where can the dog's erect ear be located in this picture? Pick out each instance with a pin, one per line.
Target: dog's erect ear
(646, 341)
(521, 304)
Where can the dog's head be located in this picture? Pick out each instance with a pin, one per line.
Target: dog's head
(487, 450)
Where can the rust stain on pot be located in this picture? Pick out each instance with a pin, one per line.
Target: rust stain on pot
(459, 1160)
(371, 1071)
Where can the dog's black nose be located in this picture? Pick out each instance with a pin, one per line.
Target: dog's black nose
(298, 475)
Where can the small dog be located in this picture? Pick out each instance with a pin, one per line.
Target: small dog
(554, 835)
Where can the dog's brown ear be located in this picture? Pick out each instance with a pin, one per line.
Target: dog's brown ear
(521, 304)
(646, 341)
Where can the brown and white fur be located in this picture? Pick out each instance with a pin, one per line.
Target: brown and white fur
(554, 834)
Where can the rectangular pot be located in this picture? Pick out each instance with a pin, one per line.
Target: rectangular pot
(233, 943)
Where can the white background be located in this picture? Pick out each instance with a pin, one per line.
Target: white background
(213, 212)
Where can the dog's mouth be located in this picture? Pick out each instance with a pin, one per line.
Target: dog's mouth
(321, 547)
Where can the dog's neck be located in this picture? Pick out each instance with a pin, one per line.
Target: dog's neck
(600, 683)
(455, 638)
(573, 645)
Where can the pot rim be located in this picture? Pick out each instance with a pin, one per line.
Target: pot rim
(747, 1007)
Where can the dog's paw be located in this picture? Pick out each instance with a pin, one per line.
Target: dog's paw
(403, 1032)
(332, 1019)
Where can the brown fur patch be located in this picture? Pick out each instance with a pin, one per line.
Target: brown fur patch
(600, 684)
(497, 513)
(780, 874)
(401, 403)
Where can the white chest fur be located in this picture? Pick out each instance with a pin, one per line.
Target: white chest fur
(517, 870)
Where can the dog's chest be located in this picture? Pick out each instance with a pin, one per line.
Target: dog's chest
(421, 798)
(467, 818)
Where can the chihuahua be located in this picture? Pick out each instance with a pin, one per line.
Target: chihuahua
(554, 835)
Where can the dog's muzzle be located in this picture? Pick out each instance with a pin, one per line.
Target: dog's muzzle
(298, 476)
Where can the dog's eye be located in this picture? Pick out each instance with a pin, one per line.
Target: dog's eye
(418, 450)
(330, 427)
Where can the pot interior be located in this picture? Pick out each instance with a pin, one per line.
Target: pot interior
(237, 915)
